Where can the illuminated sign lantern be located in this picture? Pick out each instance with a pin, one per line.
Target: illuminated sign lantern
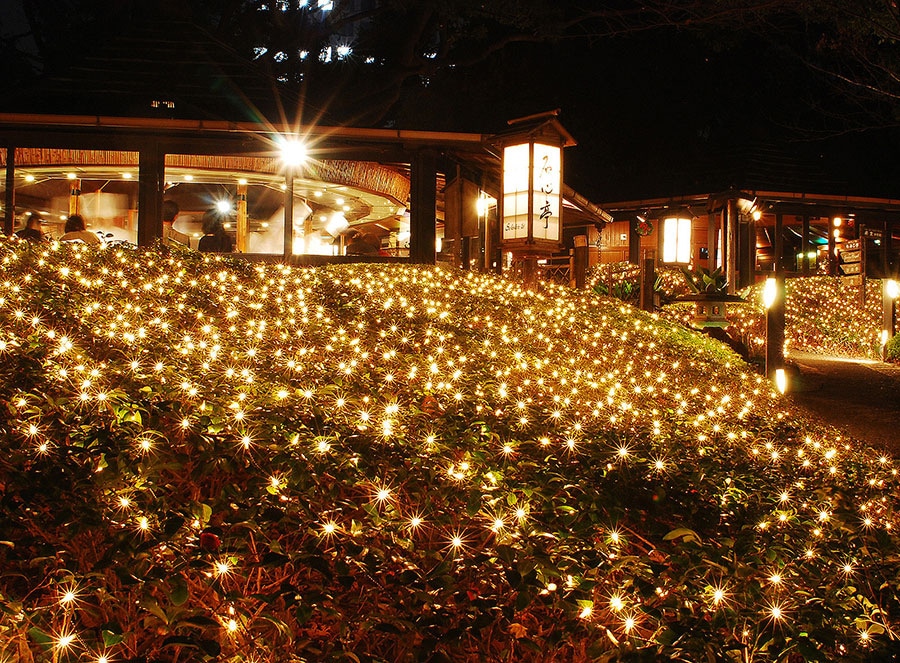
(531, 201)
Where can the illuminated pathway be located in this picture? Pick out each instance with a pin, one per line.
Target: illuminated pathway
(861, 397)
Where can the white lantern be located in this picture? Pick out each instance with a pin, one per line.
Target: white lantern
(531, 201)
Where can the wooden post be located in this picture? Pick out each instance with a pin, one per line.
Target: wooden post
(634, 245)
(745, 265)
(888, 319)
(648, 280)
(74, 196)
(243, 223)
(804, 245)
(529, 270)
(152, 175)
(307, 232)
(288, 213)
(9, 216)
(580, 261)
(863, 267)
(775, 330)
(731, 246)
(423, 208)
(778, 248)
(833, 257)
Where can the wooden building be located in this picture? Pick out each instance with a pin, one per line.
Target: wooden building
(755, 212)
(166, 112)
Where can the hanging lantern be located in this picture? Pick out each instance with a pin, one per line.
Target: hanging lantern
(531, 201)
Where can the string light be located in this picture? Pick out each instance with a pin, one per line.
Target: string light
(303, 422)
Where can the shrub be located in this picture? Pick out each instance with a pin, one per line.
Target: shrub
(892, 349)
(202, 459)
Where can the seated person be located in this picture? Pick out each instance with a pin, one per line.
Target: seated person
(32, 230)
(171, 236)
(215, 239)
(361, 244)
(76, 232)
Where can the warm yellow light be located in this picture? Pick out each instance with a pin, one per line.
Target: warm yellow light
(892, 288)
(770, 292)
(293, 151)
(781, 381)
(531, 179)
(676, 240)
(65, 640)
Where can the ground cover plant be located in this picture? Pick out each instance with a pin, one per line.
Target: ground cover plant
(822, 315)
(202, 459)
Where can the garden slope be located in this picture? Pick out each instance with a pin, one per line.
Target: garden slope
(204, 458)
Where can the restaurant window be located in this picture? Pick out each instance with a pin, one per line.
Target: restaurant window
(676, 240)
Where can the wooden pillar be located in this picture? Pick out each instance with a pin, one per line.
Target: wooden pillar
(74, 196)
(152, 176)
(833, 257)
(648, 280)
(888, 319)
(580, 261)
(634, 244)
(422, 208)
(731, 243)
(747, 253)
(307, 232)
(889, 248)
(243, 223)
(288, 234)
(778, 247)
(712, 240)
(9, 211)
(804, 245)
(775, 330)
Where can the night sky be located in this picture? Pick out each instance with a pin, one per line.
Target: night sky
(657, 113)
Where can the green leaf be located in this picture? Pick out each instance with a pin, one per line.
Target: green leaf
(687, 535)
(110, 639)
(45, 640)
(151, 606)
(178, 592)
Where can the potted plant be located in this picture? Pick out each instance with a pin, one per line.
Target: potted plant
(709, 292)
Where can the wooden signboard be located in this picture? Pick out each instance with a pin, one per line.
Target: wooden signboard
(853, 265)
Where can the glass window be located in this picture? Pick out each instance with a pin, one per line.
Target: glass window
(676, 240)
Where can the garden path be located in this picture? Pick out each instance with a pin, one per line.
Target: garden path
(861, 398)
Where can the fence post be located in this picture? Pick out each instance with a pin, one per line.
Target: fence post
(580, 261)
(648, 280)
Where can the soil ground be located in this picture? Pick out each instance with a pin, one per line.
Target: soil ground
(861, 398)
